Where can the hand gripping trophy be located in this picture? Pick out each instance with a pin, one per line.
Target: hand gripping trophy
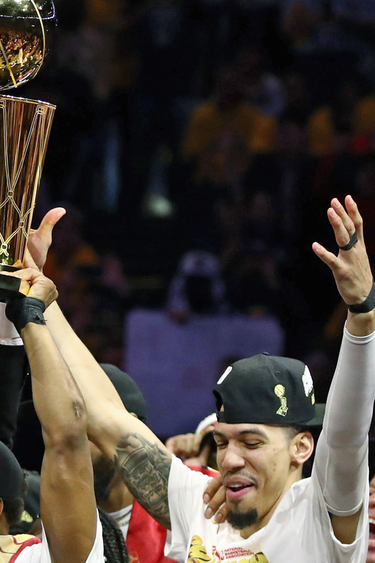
(25, 125)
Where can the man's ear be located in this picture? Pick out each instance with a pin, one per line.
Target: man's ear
(301, 448)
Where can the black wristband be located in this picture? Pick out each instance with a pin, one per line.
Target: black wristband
(26, 310)
(353, 241)
(367, 305)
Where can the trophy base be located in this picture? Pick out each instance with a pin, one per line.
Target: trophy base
(6, 268)
(9, 287)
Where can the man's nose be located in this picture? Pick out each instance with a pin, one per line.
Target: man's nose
(232, 459)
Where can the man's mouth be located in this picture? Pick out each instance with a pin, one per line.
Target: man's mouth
(238, 488)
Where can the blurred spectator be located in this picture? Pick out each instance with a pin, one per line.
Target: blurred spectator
(340, 127)
(291, 136)
(299, 19)
(92, 288)
(256, 284)
(365, 124)
(197, 287)
(366, 199)
(198, 450)
(360, 10)
(326, 51)
(228, 113)
(262, 89)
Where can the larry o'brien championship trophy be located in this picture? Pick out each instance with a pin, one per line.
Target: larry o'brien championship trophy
(26, 27)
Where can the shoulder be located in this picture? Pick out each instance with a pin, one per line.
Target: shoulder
(22, 546)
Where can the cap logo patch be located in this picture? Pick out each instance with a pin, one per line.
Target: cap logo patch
(225, 374)
(308, 384)
(280, 393)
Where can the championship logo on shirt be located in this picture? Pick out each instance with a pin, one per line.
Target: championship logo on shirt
(198, 554)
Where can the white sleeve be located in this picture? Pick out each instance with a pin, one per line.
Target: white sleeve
(39, 553)
(8, 334)
(341, 461)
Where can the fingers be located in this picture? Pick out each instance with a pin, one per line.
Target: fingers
(343, 232)
(345, 220)
(184, 445)
(24, 286)
(28, 260)
(355, 215)
(51, 218)
(214, 496)
(40, 240)
(327, 257)
(346, 225)
(35, 284)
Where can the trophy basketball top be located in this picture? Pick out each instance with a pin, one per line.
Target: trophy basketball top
(26, 27)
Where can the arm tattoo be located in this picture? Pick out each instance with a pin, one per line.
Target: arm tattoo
(145, 468)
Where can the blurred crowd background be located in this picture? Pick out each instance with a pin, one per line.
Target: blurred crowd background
(196, 146)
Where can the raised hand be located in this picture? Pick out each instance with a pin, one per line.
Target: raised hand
(351, 268)
(40, 239)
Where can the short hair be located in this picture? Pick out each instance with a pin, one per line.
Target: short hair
(13, 509)
(14, 506)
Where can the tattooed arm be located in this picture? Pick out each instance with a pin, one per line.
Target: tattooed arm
(142, 459)
(145, 467)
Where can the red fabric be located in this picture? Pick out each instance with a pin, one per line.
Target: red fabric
(205, 470)
(146, 538)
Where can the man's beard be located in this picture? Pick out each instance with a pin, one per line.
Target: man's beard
(241, 520)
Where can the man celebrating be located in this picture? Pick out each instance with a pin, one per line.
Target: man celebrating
(71, 529)
(266, 408)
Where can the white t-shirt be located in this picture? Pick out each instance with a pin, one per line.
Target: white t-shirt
(299, 531)
(122, 519)
(39, 553)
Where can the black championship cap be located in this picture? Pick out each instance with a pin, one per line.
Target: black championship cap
(11, 474)
(268, 389)
(128, 390)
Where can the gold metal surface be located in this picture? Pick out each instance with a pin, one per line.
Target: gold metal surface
(26, 27)
(25, 126)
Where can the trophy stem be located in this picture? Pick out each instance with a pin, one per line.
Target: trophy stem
(24, 132)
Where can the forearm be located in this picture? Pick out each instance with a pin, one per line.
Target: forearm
(51, 378)
(100, 396)
(142, 460)
(108, 420)
(341, 458)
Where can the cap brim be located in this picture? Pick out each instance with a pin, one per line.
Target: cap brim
(319, 416)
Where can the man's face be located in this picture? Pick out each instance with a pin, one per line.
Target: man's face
(255, 463)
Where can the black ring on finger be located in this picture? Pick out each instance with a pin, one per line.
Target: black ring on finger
(353, 241)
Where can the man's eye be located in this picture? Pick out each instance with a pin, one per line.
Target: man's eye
(221, 445)
(252, 445)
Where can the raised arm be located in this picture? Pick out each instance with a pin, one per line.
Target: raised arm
(141, 458)
(341, 457)
(68, 507)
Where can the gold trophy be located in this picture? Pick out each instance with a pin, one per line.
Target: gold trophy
(25, 125)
